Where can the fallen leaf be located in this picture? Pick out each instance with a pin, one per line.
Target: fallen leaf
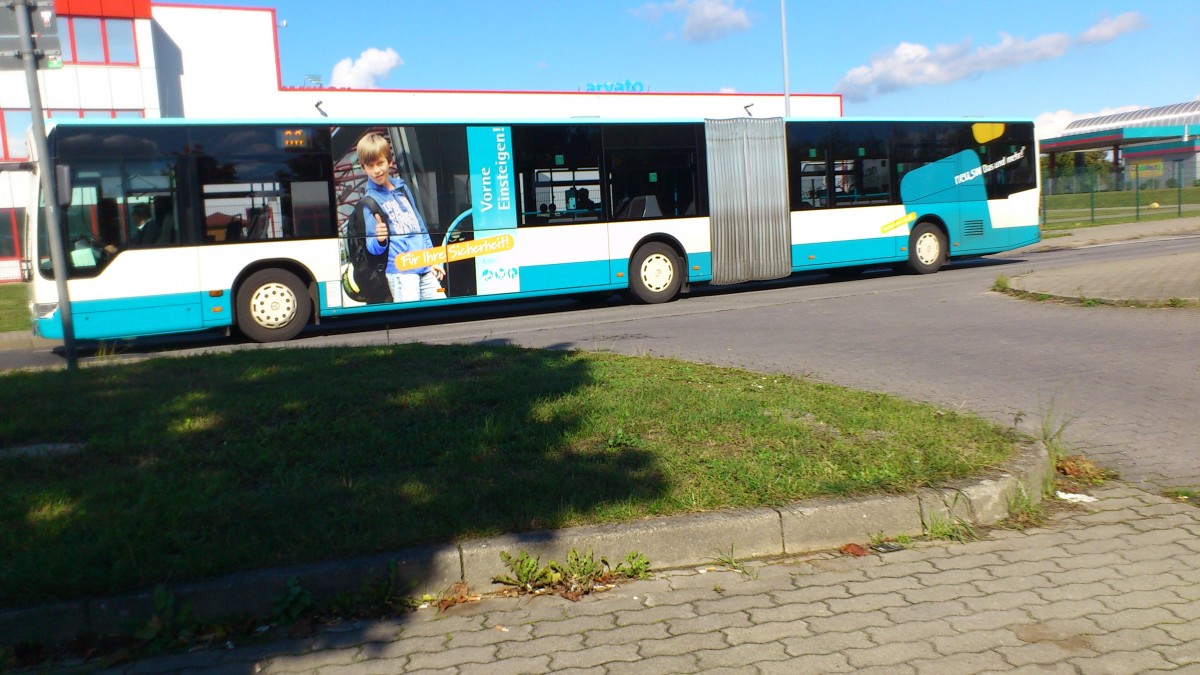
(854, 549)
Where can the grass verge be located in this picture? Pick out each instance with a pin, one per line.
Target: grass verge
(172, 470)
(1003, 284)
(14, 307)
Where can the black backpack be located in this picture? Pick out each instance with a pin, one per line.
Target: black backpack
(365, 280)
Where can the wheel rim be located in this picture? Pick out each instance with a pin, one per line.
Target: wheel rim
(657, 272)
(273, 305)
(929, 248)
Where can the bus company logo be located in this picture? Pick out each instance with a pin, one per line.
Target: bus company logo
(499, 274)
(988, 168)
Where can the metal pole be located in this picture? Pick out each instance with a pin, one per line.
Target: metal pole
(1179, 188)
(1092, 191)
(1137, 192)
(787, 97)
(58, 254)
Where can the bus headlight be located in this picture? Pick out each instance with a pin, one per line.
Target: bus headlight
(43, 309)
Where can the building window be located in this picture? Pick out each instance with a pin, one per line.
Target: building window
(10, 220)
(99, 41)
(119, 40)
(101, 114)
(15, 125)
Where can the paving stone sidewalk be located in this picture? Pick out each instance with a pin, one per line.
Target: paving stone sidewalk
(1107, 587)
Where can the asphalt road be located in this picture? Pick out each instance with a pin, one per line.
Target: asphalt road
(1121, 382)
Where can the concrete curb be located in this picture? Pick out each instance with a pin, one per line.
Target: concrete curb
(681, 541)
(17, 339)
(23, 339)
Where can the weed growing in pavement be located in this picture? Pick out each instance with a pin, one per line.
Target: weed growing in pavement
(1186, 496)
(1023, 512)
(527, 573)
(295, 603)
(1001, 284)
(635, 566)
(939, 526)
(881, 541)
(108, 350)
(946, 525)
(375, 598)
(728, 561)
(1053, 430)
(579, 575)
(167, 626)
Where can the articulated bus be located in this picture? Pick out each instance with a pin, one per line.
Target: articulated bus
(263, 227)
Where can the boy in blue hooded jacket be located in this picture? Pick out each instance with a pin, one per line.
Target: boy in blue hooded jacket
(404, 229)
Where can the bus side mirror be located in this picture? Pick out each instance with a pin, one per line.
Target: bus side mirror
(62, 182)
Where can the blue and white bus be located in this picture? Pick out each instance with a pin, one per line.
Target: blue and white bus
(258, 226)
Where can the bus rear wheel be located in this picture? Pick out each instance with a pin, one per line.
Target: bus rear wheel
(655, 274)
(272, 306)
(926, 249)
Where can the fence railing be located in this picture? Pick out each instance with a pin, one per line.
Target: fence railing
(1090, 195)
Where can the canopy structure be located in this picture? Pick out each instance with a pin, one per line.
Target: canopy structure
(1163, 135)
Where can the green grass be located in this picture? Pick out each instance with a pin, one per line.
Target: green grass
(14, 307)
(1123, 198)
(1184, 495)
(188, 468)
(1067, 211)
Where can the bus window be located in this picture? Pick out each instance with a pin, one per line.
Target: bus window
(559, 171)
(861, 171)
(265, 197)
(110, 202)
(808, 165)
(916, 144)
(654, 171)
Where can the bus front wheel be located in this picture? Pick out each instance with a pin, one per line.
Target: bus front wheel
(272, 306)
(926, 249)
(655, 274)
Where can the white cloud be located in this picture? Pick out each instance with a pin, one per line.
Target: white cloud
(1053, 124)
(913, 65)
(1107, 30)
(910, 65)
(704, 20)
(365, 71)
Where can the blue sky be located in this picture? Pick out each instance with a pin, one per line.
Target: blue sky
(1052, 60)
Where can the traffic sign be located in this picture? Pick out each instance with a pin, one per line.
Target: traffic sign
(43, 20)
(47, 49)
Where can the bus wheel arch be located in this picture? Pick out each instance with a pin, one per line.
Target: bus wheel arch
(273, 303)
(657, 271)
(928, 247)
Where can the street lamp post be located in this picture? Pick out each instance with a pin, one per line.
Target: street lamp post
(787, 97)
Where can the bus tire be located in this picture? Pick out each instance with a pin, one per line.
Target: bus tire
(655, 274)
(926, 249)
(272, 306)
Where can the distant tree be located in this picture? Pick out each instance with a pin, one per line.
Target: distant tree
(1096, 161)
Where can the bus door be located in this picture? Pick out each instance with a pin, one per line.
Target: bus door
(750, 219)
(128, 274)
